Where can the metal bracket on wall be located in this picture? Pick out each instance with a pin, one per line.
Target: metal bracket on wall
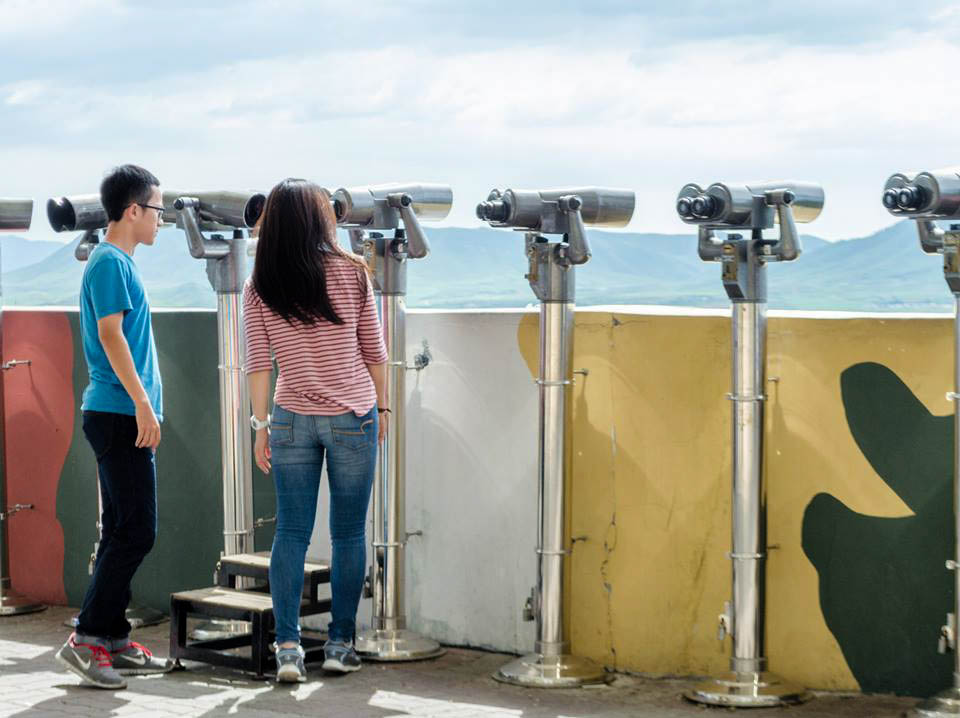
(422, 360)
(6, 366)
(11, 510)
(258, 524)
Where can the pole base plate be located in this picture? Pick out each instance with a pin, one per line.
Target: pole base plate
(220, 628)
(396, 645)
(536, 670)
(13, 604)
(946, 703)
(747, 690)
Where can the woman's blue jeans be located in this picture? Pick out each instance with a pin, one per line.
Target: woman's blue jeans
(298, 443)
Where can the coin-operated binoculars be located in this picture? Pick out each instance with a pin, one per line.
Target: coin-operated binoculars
(926, 197)
(368, 212)
(538, 213)
(15, 216)
(748, 207)
(222, 214)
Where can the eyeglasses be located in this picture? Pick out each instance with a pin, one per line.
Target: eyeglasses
(160, 210)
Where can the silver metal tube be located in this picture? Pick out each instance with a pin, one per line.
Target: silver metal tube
(553, 542)
(808, 197)
(78, 212)
(749, 500)
(230, 209)
(234, 428)
(389, 492)
(15, 214)
(358, 205)
(551, 665)
(388, 638)
(602, 206)
(956, 479)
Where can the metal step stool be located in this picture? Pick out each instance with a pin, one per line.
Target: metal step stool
(255, 606)
(257, 567)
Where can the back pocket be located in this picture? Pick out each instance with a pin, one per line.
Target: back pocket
(358, 438)
(281, 427)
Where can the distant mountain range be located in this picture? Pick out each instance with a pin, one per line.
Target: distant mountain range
(482, 267)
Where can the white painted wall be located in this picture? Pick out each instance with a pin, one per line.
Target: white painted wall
(471, 482)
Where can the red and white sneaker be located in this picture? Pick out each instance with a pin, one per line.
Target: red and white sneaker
(91, 662)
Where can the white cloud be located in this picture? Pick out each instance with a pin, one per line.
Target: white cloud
(41, 17)
(548, 114)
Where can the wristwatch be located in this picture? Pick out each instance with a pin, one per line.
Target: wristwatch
(257, 424)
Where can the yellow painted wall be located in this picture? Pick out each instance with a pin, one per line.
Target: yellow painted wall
(651, 479)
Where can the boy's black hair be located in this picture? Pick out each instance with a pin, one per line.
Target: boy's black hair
(123, 186)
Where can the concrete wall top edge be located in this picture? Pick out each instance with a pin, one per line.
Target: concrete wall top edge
(637, 309)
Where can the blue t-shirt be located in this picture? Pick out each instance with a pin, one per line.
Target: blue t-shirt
(111, 284)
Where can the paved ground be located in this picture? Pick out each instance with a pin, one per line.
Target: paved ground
(457, 685)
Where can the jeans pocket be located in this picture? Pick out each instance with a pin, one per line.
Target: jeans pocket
(281, 427)
(100, 429)
(360, 436)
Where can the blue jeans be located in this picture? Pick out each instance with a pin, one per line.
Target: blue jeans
(297, 444)
(128, 487)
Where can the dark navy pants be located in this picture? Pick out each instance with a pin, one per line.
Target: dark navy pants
(128, 487)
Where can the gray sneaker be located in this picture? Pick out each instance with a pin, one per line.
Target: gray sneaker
(290, 668)
(341, 657)
(90, 661)
(137, 660)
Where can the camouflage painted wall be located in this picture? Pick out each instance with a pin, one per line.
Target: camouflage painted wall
(859, 470)
(858, 455)
(47, 454)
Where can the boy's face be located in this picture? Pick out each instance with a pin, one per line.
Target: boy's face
(148, 220)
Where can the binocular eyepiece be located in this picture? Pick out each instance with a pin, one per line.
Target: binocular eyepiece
(923, 195)
(380, 206)
(734, 204)
(538, 209)
(495, 211)
(216, 209)
(15, 214)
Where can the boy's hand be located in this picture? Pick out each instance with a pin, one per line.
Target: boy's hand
(148, 428)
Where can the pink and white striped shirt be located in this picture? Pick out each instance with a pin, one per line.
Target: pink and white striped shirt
(323, 367)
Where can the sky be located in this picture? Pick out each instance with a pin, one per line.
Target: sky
(642, 95)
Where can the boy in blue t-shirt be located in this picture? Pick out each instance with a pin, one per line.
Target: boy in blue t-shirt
(122, 410)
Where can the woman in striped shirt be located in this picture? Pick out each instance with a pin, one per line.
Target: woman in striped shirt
(311, 305)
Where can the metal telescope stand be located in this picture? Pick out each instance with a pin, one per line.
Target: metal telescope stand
(226, 271)
(937, 241)
(551, 276)
(743, 261)
(388, 638)
(11, 602)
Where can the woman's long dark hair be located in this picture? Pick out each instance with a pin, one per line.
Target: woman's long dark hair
(298, 231)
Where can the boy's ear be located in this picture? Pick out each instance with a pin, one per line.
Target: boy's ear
(907, 446)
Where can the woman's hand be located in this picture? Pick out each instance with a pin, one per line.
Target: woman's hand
(261, 450)
(382, 422)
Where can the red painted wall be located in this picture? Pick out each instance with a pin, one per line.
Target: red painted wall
(39, 416)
